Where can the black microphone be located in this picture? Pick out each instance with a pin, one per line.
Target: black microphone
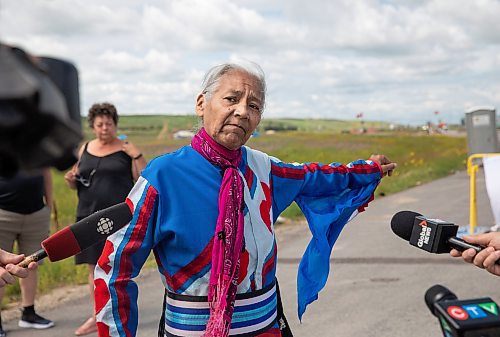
(73, 239)
(433, 235)
(463, 318)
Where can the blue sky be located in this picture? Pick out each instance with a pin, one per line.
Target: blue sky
(396, 61)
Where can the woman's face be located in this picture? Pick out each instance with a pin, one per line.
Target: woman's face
(232, 113)
(104, 128)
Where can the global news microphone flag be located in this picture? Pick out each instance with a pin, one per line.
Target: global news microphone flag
(432, 235)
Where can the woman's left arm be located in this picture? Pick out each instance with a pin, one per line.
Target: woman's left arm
(329, 196)
(316, 179)
(138, 160)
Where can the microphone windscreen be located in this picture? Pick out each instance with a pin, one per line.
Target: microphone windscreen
(438, 293)
(402, 223)
(95, 228)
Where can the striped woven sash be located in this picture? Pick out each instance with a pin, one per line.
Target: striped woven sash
(254, 313)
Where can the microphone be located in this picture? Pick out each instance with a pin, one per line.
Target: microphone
(73, 239)
(433, 235)
(463, 318)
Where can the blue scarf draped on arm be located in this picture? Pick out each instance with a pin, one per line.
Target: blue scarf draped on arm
(326, 217)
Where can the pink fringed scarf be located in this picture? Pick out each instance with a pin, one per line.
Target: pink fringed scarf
(228, 240)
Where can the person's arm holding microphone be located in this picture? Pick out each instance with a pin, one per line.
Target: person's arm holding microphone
(486, 258)
(9, 269)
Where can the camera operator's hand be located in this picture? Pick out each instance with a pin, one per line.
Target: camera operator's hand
(9, 269)
(485, 259)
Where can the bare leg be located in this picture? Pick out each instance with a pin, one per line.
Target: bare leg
(90, 324)
(91, 286)
(28, 288)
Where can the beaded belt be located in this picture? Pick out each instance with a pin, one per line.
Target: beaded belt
(254, 313)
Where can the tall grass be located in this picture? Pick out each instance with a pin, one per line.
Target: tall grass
(420, 159)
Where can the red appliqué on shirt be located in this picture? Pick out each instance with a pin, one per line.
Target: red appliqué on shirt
(102, 294)
(265, 206)
(104, 259)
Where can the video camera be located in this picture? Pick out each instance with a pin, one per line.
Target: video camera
(40, 122)
(463, 318)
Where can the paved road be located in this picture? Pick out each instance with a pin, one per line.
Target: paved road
(377, 281)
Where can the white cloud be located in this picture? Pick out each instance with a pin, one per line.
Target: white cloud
(391, 60)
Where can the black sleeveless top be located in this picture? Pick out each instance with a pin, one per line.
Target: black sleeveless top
(22, 193)
(105, 181)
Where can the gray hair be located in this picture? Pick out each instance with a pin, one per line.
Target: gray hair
(211, 80)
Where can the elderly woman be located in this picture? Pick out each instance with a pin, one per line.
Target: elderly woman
(207, 212)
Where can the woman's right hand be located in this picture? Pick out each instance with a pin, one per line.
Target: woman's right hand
(70, 178)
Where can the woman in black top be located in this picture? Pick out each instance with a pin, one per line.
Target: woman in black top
(103, 176)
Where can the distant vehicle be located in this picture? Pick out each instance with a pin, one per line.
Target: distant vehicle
(184, 134)
(442, 127)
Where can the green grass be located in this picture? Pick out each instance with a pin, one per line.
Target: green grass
(320, 125)
(420, 159)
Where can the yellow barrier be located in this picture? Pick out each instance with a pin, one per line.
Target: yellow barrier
(471, 171)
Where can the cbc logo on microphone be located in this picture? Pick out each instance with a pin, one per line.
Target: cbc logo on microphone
(104, 226)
